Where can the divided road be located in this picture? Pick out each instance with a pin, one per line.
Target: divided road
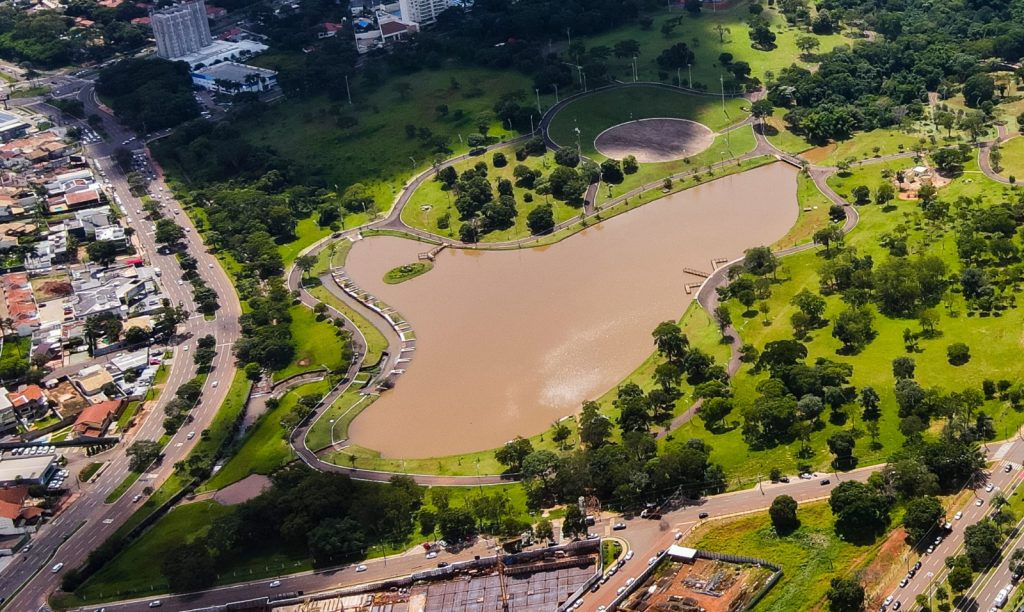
(88, 521)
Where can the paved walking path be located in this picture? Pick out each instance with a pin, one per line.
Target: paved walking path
(707, 295)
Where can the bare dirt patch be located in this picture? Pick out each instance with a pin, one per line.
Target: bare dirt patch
(654, 140)
(243, 490)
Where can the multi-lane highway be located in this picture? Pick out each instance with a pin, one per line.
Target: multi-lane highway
(89, 521)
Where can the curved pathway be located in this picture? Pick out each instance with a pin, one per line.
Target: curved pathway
(706, 296)
(984, 153)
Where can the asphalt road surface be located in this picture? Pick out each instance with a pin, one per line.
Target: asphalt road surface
(89, 521)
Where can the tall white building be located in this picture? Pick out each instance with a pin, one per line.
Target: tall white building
(181, 29)
(422, 12)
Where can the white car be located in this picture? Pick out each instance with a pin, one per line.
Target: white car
(210, 265)
(361, 568)
(980, 502)
(630, 581)
(57, 568)
(190, 435)
(136, 499)
(215, 383)
(620, 590)
(185, 349)
(989, 488)
(958, 515)
(275, 584)
(431, 555)
(629, 555)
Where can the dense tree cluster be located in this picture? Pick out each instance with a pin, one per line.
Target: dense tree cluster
(149, 94)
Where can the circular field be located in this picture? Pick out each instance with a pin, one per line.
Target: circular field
(654, 140)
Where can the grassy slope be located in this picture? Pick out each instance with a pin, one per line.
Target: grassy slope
(265, 448)
(1013, 158)
(316, 343)
(810, 556)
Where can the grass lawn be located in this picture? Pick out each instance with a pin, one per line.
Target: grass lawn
(333, 424)
(376, 343)
(407, 272)
(265, 447)
(328, 256)
(700, 34)
(376, 150)
(136, 571)
(810, 556)
(783, 138)
(808, 221)
(15, 351)
(119, 490)
(317, 343)
(88, 471)
(1013, 157)
(596, 113)
(429, 203)
(127, 414)
(863, 146)
(306, 233)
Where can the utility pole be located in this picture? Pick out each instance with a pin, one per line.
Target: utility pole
(568, 33)
(537, 91)
(721, 81)
(689, 74)
(584, 80)
(759, 485)
(348, 91)
(556, 93)
(679, 78)
(634, 69)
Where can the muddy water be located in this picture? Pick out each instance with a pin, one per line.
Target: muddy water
(508, 342)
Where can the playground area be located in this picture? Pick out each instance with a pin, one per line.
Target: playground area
(654, 140)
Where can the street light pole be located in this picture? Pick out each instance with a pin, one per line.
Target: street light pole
(537, 91)
(721, 81)
(556, 93)
(348, 91)
(689, 74)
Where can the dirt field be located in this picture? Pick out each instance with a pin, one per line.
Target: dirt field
(714, 586)
(654, 140)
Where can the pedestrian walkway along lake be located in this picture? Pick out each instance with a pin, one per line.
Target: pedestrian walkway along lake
(510, 341)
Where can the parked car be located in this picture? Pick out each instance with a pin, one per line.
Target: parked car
(619, 526)
(156, 603)
(275, 584)
(826, 482)
(57, 568)
(702, 515)
(360, 568)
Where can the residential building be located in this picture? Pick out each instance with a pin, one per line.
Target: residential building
(92, 379)
(232, 77)
(29, 402)
(181, 29)
(422, 12)
(8, 417)
(94, 420)
(111, 233)
(18, 303)
(15, 516)
(222, 51)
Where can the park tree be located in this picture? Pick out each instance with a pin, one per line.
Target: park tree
(841, 444)
(626, 48)
(574, 524)
(568, 157)
(807, 44)
(335, 539)
(714, 410)
(188, 567)
(921, 516)
(783, 514)
(861, 194)
(670, 341)
(960, 578)
(861, 512)
(142, 454)
(595, 428)
(903, 367)
(611, 171)
(982, 542)
(948, 160)
(884, 193)
(512, 454)
(541, 219)
(676, 56)
(811, 304)
(958, 353)
(869, 401)
(456, 524)
(103, 252)
(978, 88)
(762, 36)
(845, 595)
(762, 109)
(630, 165)
(760, 261)
(853, 327)
(543, 531)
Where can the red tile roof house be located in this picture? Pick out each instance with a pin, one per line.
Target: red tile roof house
(94, 420)
(30, 402)
(14, 516)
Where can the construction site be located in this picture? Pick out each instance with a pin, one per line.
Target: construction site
(698, 581)
(536, 581)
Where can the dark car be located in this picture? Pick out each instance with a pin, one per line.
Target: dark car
(703, 515)
(826, 482)
(442, 564)
(619, 526)
(784, 479)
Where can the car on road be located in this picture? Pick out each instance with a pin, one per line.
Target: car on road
(826, 482)
(136, 499)
(185, 348)
(948, 526)
(275, 584)
(619, 526)
(630, 581)
(702, 515)
(805, 476)
(620, 590)
(215, 383)
(980, 502)
(784, 479)
(1007, 467)
(431, 555)
(904, 582)
(629, 555)
(56, 568)
(652, 560)
(958, 515)
(930, 550)
(155, 604)
(361, 568)
(896, 605)
(191, 435)
(938, 540)
(442, 564)
(210, 265)
(989, 488)
(888, 600)
(917, 566)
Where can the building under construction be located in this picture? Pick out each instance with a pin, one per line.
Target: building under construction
(534, 581)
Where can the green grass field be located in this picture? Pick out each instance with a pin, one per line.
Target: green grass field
(701, 35)
(265, 447)
(1013, 157)
(863, 145)
(316, 344)
(376, 343)
(810, 556)
(376, 151)
(430, 202)
(333, 424)
(808, 221)
(595, 113)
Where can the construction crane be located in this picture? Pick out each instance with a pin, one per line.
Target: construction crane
(502, 584)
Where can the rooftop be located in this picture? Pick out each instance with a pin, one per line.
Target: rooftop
(32, 467)
(233, 71)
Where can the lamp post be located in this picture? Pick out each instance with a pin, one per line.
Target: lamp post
(689, 75)
(537, 91)
(556, 93)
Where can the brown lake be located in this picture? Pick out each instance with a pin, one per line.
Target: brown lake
(510, 341)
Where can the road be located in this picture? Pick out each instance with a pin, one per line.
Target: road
(62, 540)
(933, 568)
(645, 537)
